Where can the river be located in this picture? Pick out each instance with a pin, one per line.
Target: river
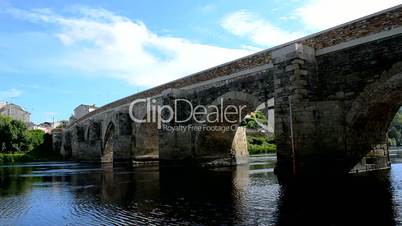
(69, 193)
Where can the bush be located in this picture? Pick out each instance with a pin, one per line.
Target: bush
(261, 149)
(258, 144)
(395, 130)
(261, 117)
(259, 140)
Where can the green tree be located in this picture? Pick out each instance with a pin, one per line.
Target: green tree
(251, 122)
(6, 132)
(24, 145)
(261, 117)
(14, 135)
(20, 141)
(36, 137)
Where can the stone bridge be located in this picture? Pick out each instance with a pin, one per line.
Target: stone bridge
(335, 94)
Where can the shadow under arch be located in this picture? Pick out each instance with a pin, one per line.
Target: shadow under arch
(371, 114)
(224, 142)
(108, 146)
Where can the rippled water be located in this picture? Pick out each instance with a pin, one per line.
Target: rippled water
(66, 193)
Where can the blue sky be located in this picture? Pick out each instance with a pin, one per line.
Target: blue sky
(55, 55)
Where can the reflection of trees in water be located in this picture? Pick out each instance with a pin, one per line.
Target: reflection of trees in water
(395, 155)
(11, 183)
(14, 190)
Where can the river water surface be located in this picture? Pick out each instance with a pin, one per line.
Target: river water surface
(68, 193)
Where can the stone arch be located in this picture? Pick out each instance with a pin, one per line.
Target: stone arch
(230, 147)
(234, 97)
(371, 113)
(108, 144)
(389, 81)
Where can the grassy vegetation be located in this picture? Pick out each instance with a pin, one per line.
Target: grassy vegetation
(13, 157)
(259, 144)
(31, 156)
(34, 155)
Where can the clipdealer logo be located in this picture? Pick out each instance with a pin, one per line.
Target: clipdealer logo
(199, 114)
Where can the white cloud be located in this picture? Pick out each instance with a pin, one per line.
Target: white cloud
(262, 32)
(9, 94)
(315, 15)
(102, 43)
(321, 14)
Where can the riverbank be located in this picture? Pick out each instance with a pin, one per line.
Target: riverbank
(31, 156)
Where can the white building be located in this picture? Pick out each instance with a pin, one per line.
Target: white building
(48, 127)
(82, 110)
(15, 112)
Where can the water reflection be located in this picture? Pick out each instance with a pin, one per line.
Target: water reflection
(84, 194)
(357, 200)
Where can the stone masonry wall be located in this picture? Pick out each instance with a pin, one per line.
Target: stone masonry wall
(357, 94)
(360, 63)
